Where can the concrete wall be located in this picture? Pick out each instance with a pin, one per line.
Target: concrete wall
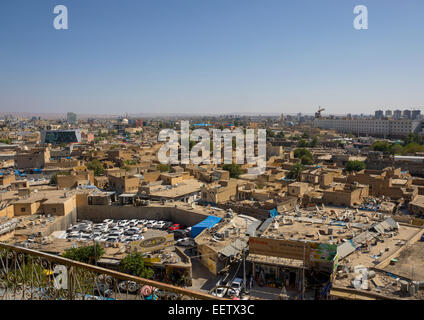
(62, 223)
(176, 215)
(7, 212)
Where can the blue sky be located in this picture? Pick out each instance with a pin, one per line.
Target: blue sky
(142, 56)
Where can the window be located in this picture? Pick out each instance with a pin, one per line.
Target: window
(54, 210)
(22, 209)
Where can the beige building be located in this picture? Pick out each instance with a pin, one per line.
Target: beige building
(124, 184)
(34, 158)
(219, 192)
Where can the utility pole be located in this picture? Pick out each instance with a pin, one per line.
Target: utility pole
(95, 252)
(303, 271)
(244, 269)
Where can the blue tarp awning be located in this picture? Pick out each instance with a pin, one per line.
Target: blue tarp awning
(208, 223)
(273, 213)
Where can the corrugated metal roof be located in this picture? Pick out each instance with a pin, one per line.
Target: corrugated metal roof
(386, 225)
(251, 230)
(233, 248)
(345, 249)
(265, 224)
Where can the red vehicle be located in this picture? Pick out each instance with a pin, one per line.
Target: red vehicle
(176, 227)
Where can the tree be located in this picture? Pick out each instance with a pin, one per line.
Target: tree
(302, 143)
(296, 171)
(396, 149)
(130, 162)
(133, 264)
(270, 133)
(305, 135)
(412, 138)
(6, 141)
(85, 254)
(382, 146)
(163, 167)
(53, 179)
(280, 135)
(355, 165)
(314, 142)
(235, 170)
(413, 147)
(299, 153)
(307, 160)
(96, 166)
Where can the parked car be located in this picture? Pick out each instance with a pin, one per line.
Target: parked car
(159, 225)
(167, 224)
(219, 292)
(131, 231)
(136, 237)
(185, 242)
(150, 223)
(236, 286)
(176, 227)
(142, 222)
(124, 223)
(112, 238)
(179, 234)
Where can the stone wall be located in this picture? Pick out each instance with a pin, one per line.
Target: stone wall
(98, 213)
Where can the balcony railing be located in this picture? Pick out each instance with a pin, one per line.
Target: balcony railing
(27, 274)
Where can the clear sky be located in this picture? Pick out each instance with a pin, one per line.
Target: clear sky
(221, 56)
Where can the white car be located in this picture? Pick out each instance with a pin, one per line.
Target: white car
(151, 224)
(85, 236)
(235, 287)
(112, 239)
(159, 225)
(119, 233)
(186, 242)
(136, 237)
(132, 231)
(124, 223)
(219, 292)
(142, 222)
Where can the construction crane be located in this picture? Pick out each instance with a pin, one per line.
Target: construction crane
(318, 113)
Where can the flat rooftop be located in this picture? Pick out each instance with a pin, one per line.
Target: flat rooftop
(183, 188)
(236, 227)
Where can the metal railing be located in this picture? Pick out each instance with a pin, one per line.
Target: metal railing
(27, 274)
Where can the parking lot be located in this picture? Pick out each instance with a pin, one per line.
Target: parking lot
(126, 231)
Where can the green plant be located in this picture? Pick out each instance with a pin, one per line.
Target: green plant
(53, 179)
(296, 171)
(96, 166)
(163, 167)
(133, 264)
(382, 146)
(302, 143)
(299, 153)
(6, 141)
(355, 165)
(306, 160)
(234, 169)
(87, 254)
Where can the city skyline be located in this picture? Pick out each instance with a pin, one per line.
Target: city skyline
(240, 57)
